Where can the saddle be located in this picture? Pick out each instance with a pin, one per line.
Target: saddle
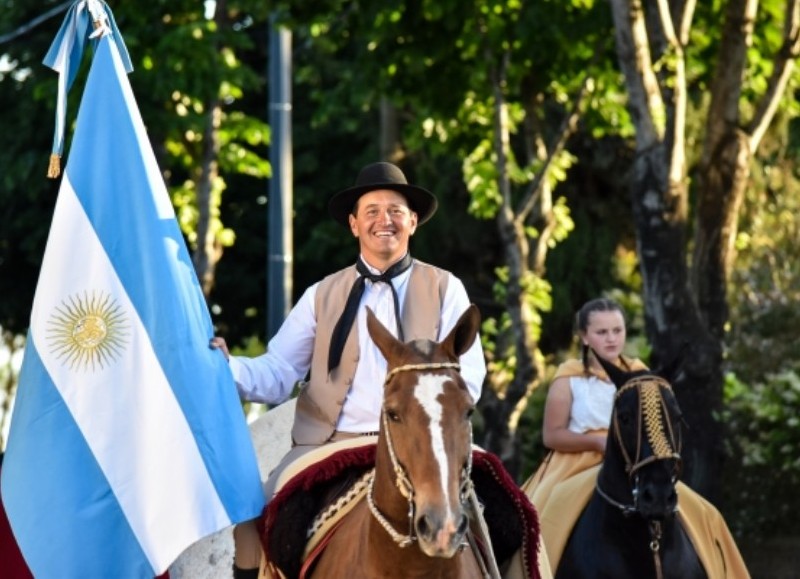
(314, 496)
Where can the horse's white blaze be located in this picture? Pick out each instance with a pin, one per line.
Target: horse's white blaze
(427, 392)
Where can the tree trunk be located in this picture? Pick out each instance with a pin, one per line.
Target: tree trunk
(673, 322)
(503, 403)
(722, 183)
(208, 251)
(390, 147)
(498, 408)
(8, 379)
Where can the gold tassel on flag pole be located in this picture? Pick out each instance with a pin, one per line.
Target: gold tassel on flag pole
(68, 45)
(54, 170)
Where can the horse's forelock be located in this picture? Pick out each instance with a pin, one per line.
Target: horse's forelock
(424, 347)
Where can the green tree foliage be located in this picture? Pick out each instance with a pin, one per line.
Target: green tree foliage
(448, 71)
(764, 421)
(766, 288)
(762, 401)
(735, 95)
(27, 198)
(190, 81)
(452, 70)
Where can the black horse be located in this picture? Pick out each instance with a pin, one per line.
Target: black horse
(629, 528)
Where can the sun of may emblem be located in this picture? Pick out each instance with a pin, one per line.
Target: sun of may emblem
(87, 332)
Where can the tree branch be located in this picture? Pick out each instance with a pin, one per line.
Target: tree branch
(565, 131)
(675, 69)
(684, 16)
(781, 72)
(633, 52)
(726, 87)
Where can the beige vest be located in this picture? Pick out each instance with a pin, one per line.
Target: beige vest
(320, 400)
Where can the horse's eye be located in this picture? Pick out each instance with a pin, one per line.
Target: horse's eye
(470, 412)
(393, 416)
(624, 418)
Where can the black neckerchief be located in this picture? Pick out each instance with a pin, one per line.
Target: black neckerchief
(342, 328)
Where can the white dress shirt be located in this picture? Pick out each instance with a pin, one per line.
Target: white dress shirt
(271, 377)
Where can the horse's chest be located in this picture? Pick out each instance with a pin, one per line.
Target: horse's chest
(600, 548)
(679, 557)
(361, 549)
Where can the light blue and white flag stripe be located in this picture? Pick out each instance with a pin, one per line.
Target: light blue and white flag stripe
(127, 442)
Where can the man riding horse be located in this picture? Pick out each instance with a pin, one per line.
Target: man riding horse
(406, 500)
(325, 333)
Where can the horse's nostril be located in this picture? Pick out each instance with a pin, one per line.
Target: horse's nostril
(423, 526)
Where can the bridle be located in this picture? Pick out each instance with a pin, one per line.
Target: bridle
(401, 481)
(663, 443)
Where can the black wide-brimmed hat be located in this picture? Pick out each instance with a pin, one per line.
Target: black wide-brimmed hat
(382, 175)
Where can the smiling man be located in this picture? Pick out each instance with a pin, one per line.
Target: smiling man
(324, 341)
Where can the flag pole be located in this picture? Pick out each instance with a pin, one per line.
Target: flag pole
(279, 205)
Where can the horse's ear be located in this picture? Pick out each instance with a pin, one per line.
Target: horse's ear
(615, 374)
(673, 370)
(382, 337)
(463, 334)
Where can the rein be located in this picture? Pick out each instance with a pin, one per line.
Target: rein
(655, 538)
(402, 541)
(627, 510)
(654, 526)
(401, 481)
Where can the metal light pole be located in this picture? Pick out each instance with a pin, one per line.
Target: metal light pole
(279, 202)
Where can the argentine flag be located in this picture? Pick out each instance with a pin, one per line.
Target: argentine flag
(128, 442)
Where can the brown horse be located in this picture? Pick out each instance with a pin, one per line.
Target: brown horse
(414, 522)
